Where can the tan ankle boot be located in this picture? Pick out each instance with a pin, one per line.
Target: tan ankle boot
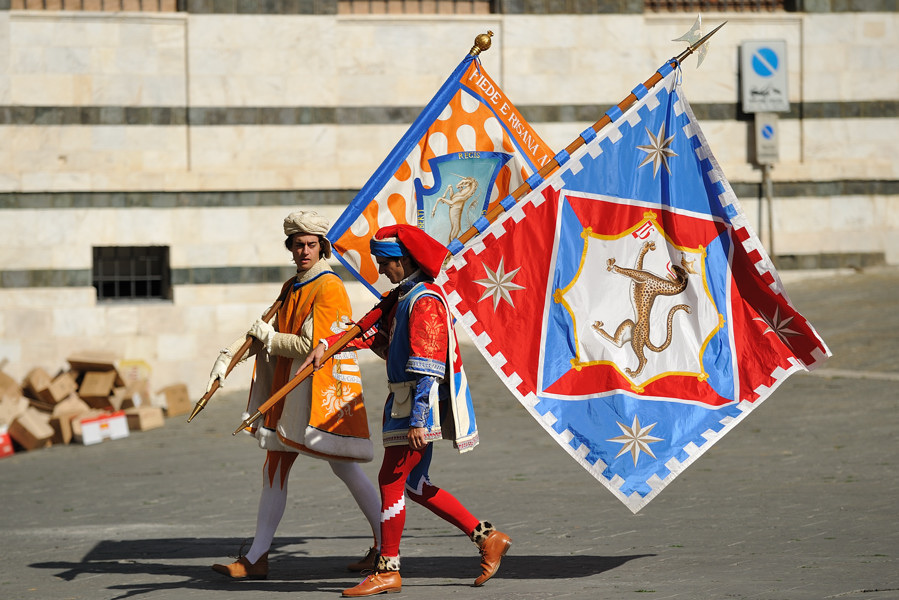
(244, 569)
(367, 563)
(493, 546)
(385, 580)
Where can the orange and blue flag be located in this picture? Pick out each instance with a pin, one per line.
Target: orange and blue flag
(467, 149)
(626, 301)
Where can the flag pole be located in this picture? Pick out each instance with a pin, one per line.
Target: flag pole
(552, 165)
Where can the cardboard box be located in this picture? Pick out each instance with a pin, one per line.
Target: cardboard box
(56, 390)
(31, 429)
(41, 405)
(62, 429)
(11, 408)
(36, 381)
(134, 370)
(100, 403)
(62, 416)
(71, 405)
(142, 418)
(6, 448)
(177, 401)
(76, 421)
(122, 398)
(9, 388)
(96, 387)
(91, 361)
(62, 386)
(93, 429)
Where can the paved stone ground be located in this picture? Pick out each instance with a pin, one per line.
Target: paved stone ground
(798, 502)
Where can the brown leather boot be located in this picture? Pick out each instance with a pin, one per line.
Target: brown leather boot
(493, 545)
(385, 580)
(367, 563)
(243, 569)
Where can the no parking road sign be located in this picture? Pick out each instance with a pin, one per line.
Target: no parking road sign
(766, 138)
(763, 76)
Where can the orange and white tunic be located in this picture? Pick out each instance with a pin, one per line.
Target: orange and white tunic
(324, 416)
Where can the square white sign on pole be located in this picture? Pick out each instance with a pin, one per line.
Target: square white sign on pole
(767, 144)
(763, 76)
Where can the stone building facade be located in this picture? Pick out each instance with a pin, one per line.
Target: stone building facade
(197, 126)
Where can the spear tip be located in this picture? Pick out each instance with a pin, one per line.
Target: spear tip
(693, 47)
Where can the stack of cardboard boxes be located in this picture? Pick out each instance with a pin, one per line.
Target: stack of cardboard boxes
(87, 404)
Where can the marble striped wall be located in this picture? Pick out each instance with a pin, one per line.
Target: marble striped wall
(200, 130)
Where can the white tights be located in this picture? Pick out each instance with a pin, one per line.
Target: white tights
(273, 501)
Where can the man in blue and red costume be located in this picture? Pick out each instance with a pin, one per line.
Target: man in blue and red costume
(429, 400)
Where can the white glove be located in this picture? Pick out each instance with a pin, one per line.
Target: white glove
(218, 370)
(263, 332)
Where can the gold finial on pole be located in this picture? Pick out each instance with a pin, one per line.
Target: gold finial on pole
(481, 43)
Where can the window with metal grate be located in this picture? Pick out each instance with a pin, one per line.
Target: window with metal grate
(132, 273)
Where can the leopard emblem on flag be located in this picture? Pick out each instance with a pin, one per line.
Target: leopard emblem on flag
(618, 310)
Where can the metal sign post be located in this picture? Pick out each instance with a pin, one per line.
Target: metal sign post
(763, 81)
(767, 153)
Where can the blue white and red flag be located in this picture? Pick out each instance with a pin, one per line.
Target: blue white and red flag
(627, 303)
(465, 152)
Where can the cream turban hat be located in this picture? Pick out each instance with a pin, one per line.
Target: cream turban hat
(309, 222)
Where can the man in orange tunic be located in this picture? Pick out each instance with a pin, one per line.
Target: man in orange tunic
(324, 417)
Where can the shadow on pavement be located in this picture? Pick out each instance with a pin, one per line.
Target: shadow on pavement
(515, 566)
(292, 570)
